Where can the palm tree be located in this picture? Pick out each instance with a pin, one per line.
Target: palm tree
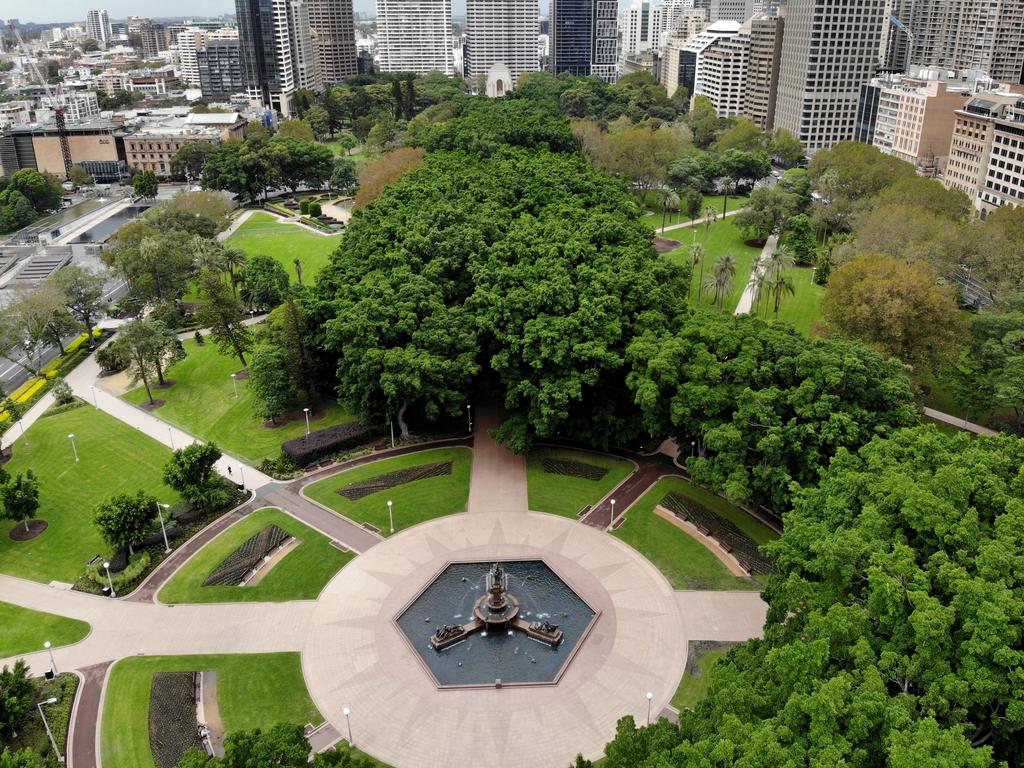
(697, 254)
(781, 283)
(208, 254)
(233, 259)
(758, 282)
(669, 199)
(722, 275)
(780, 260)
(710, 217)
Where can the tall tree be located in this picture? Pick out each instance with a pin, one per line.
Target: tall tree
(270, 381)
(191, 472)
(27, 326)
(125, 519)
(141, 342)
(223, 314)
(145, 184)
(20, 498)
(84, 293)
(190, 161)
(265, 283)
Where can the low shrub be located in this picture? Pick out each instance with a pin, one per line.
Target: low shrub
(96, 575)
(112, 359)
(314, 209)
(54, 410)
(280, 467)
(62, 394)
(324, 442)
(304, 207)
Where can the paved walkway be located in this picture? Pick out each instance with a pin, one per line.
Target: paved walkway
(956, 421)
(498, 481)
(83, 731)
(649, 470)
(695, 223)
(329, 523)
(236, 222)
(750, 292)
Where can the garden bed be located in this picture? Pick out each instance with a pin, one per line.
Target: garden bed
(21, 532)
(33, 735)
(364, 488)
(570, 468)
(173, 724)
(247, 557)
(725, 532)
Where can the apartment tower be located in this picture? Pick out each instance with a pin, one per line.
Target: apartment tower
(415, 36)
(278, 56)
(333, 29)
(500, 34)
(97, 26)
(829, 50)
(585, 38)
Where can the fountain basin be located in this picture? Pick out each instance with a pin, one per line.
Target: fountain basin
(523, 636)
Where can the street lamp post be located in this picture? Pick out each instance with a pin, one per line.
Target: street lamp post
(21, 423)
(234, 385)
(110, 581)
(170, 434)
(163, 530)
(53, 742)
(306, 411)
(346, 711)
(392, 433)
(649, 697)
(93, 388)
(391, 518)
(469, 417)
(53, 664)
(693, 448)
(613, 512)
(241, 475)
(74, 448)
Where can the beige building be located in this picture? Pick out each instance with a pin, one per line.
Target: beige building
(915, 118)
(688, 24)
(94, 146)
(766, 34)
(986, 152)
(15, 112)
(152, 144)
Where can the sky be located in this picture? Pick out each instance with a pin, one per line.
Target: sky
(71, 10)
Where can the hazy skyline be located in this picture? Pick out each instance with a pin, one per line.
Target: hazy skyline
(68, 11)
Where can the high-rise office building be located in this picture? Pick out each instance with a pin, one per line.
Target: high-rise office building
(278, 56)
(766, 35)
(829, 50)
(500, 34)
(334, 31)
(97, 26)
(986, 35)
(584, 38)
(146, 36)
(220, 69)
(730, 10)
(415, 36)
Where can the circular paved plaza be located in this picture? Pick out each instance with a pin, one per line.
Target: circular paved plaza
(355, 656)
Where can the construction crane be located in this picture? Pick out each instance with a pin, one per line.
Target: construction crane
(56, 98)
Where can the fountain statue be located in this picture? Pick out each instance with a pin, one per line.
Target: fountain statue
(496, 608)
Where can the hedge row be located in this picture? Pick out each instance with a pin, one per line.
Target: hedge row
(325, 442)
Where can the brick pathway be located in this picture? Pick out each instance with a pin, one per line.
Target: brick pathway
(85, 717)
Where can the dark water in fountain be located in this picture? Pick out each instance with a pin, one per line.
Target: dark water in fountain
(514, 657)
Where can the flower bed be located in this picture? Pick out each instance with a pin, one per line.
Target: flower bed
(360, 490)
(173, 726)
(238, 564)
(573, 469)
(324, 442)
(710, 523)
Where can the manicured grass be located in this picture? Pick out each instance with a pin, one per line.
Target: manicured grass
(686, 563)
(114, 458)
(564, 495)
(653, 203)
(722, 237)
(413, 502)
(300, 575)
(23, 630)
(254, 691)
(803, 309)
(692, 688)
(202, 403)
(265, 235)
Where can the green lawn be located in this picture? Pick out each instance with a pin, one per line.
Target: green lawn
(114, 458)
(722, 237)
(202, 403)
(23, 630)
(413, 502)
(803, 309)
(254, 691)
(686, 563)
(692, 688)
(301, 575)
(564, 495)
(265, 235)
(653, 203)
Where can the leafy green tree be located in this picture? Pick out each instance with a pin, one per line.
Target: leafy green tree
(25, 758)
(704, 121)
(296, 129)
(223, 314)
(80, 177)
(270, 382)
(191, 472)
(145, 184)
(20, 498)
(347, 142)
(28, 323)
(141, 343)
(223, 170)
(343, 177)
(303, 163)
(286, 328)
(490, 124)
(157, 266)
(15, 211)
(84, 293)
(766, 212)
(125, 519)
(43, 192)
(766, 407)
(265, 283)
(744, 134)
(318, 120)
(262, 160)
(800, 240)
(797, 181)
(17, 700)
(190, 161)
(786, 148)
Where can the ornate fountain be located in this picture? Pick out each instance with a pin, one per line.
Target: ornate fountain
(496, 609)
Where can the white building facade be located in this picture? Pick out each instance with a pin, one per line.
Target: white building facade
(501, 33)
(415, 36)
(97, 26)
